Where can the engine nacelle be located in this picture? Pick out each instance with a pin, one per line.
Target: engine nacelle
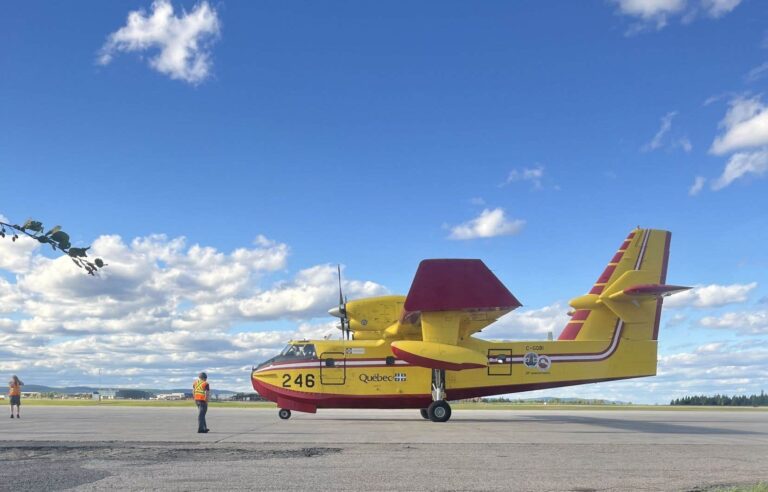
(374, 313)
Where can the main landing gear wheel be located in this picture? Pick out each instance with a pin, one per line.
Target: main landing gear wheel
(284, 414)
(424, 414)
(439, 411)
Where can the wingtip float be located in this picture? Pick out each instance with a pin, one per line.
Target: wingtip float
(419, 351)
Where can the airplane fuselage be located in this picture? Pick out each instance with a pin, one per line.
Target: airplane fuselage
(366, 374)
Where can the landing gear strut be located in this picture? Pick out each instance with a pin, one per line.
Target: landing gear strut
(284, 414)
(439, 410)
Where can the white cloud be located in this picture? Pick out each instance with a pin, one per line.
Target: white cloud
(160, 359)
(531, 324)
(745, 323)
(148, 283)
(490, 223)
(697, 186)
(718, 8)
(16, 256)
(651, 11)
(757, 73)
(745, 126)
(657, 13)
(666, 125)
(662, 137)
(183, 41)
(160, 311)
(711, 296)
(532, 174)
(685, 144)
(740, 165)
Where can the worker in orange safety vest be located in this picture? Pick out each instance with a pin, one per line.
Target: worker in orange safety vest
(14, 392)
(201, 391)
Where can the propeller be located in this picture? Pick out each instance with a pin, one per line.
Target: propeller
(341, 311)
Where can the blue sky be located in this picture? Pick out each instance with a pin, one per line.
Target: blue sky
(533, 135)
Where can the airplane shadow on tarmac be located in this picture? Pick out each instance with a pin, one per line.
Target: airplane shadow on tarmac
(640, 426)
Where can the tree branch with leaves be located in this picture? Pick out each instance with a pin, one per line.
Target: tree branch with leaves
(56, 239)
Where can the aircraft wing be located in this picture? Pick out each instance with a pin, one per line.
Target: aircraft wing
(453, 299)
(467, 286)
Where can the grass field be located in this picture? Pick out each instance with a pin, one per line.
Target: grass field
(455, 406)
(141, 403)
(541, 406)
(758, 487)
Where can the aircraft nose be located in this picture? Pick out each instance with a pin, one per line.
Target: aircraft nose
(335, 311)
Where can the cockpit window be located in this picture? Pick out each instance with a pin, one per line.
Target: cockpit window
(299, 351)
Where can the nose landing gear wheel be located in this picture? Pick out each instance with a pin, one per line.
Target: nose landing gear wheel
(439, 411)
(424, 414)
(284, 414)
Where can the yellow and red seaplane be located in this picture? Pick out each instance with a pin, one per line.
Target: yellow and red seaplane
(419, 351)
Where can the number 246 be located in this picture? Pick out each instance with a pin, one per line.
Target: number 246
(300, 380)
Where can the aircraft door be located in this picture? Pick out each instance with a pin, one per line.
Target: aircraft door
(499, 362)
(333, 368)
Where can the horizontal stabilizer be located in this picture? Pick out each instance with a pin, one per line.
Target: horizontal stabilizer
(626, 295)
(653, 290)
(439, 355)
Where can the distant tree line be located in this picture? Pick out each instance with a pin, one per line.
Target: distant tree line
(760, 400)
(549, 401)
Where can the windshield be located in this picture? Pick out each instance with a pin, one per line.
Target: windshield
(303, 351)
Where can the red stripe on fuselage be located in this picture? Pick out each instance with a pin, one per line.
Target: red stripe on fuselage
(580, 315)
(606, 274)
(570, 331)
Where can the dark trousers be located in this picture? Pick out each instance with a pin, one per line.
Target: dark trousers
(202, 409)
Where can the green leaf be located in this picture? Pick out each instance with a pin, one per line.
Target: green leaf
(99, 262)
(54, 230)
(62, 238)
(42, 239)
(33, 225)
(78, 252)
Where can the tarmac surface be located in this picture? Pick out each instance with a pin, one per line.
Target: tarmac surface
(146, 448)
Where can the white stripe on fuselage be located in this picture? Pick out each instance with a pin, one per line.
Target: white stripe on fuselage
(348, 362)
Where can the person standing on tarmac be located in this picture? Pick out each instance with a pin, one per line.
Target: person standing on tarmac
(201, 390)
(14, 391)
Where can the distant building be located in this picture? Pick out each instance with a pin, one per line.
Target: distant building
(171, 396)
(107, 394)
(247, 397)
(132, 394)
